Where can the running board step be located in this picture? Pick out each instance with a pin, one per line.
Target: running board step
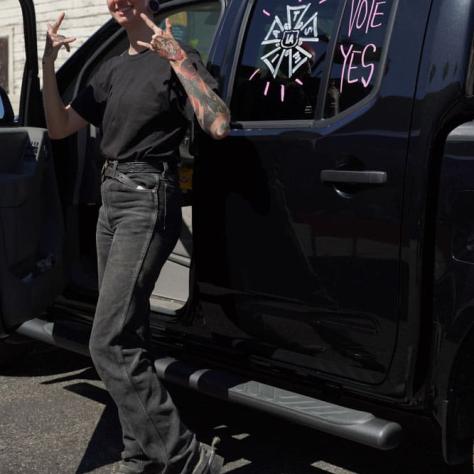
(361, 427)
(70, 335)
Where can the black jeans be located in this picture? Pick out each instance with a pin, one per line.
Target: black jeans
(139, 224)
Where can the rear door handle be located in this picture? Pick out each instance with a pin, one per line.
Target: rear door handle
(353, 177)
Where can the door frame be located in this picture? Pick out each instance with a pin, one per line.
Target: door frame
(30, 111)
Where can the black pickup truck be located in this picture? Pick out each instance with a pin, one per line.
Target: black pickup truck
(326, 260)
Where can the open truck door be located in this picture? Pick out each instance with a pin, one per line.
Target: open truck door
(31, 221)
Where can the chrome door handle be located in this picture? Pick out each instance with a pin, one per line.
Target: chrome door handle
(353, 177)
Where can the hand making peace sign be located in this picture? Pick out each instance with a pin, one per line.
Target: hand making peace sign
(163, 41)
(55, 41)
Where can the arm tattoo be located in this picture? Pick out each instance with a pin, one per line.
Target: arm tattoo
(207, 105)
(170, 49)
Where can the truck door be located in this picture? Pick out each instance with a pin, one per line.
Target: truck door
(297, 216)
(31, 224)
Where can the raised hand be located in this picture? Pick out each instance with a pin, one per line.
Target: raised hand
(211, 112)
(55, 41)
(163, 41)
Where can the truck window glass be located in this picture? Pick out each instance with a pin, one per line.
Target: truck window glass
(195, 25)
(357, 58)
(283, 59)
(12, 52)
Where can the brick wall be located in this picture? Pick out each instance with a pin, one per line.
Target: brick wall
(83, 17)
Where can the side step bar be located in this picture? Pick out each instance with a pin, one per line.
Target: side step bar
(69, 335)
(358, 426)
(361, 427)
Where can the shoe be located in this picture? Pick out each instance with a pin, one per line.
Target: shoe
(124, 468)
(209, 461)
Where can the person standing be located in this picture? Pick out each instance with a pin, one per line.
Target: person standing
(143, 101)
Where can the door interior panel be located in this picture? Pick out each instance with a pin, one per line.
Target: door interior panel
(172, 287)
(31, 225)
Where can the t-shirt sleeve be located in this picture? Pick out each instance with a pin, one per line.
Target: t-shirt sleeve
(91, 100)
(184, 104)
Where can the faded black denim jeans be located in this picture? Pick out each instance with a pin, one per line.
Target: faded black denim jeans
(136, 231)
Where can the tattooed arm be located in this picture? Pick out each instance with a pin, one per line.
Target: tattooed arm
(211, 111)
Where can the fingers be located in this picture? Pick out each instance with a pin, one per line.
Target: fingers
(58, 22)
(147, 45)
(149, 22)
(59, 41)
(65, 42)
(158, 36)
(50, 29)
(169, 27)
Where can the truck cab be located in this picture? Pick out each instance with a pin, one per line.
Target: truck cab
(326, 251)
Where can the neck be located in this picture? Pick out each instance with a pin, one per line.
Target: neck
(139, 32)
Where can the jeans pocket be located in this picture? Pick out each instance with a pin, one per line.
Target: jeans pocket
(142, 181)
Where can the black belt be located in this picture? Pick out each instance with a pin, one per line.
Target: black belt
(109, 172)
(151, 166)
(117, 169)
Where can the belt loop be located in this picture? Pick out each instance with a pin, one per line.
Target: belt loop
(165, 167)
(114, 166)
(102, 171)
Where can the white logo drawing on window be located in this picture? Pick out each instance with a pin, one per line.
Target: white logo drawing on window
(288, 39)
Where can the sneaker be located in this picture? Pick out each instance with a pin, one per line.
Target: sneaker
(124, 468)
(209, 461)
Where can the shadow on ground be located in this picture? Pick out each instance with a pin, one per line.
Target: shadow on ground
(252, 442)
(43, 360)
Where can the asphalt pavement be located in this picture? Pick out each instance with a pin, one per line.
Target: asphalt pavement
(57, 418)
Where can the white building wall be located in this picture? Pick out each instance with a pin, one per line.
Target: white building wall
(83, 17)
(11, 26)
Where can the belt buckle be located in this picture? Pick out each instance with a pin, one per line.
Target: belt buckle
(109, 164)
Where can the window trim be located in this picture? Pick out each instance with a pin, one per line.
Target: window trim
(327, 73)
(238, 50)
(319, 121)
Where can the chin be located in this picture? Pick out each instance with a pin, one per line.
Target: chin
(126, 21)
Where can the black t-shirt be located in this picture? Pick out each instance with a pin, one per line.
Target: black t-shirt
(140, 105)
